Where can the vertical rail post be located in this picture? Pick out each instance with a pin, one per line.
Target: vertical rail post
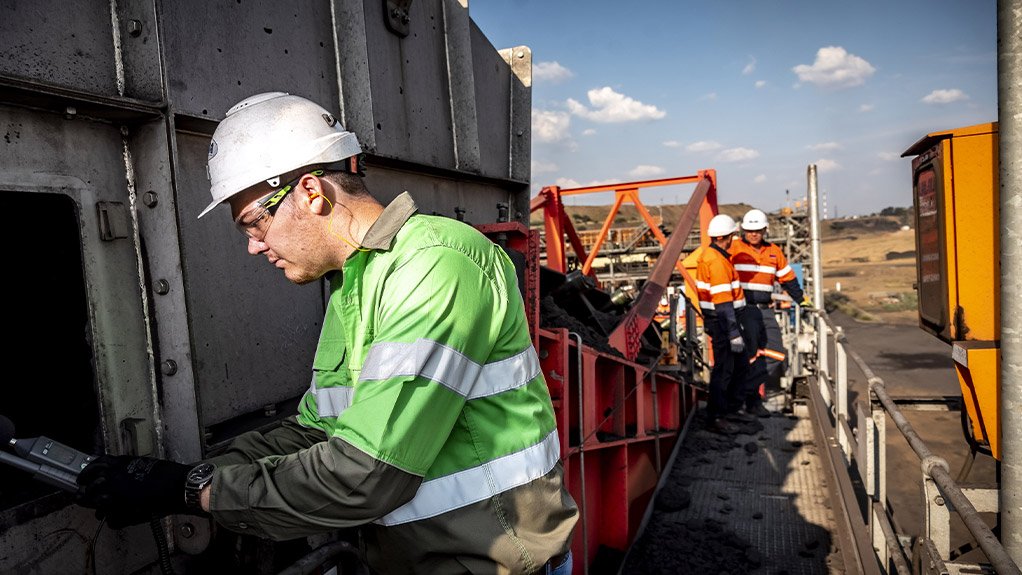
(880, 424)
(841, 375)
(814, 237)
(796, 357)
(1009, 92)
(823, 363)
(938, 517)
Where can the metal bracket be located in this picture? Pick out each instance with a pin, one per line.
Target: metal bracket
(137, 436)
(395, 16)
(113, 221)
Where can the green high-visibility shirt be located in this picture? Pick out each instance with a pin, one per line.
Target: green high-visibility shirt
(428, 420)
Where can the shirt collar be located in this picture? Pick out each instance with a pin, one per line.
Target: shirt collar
(722, 251)
(381, 234)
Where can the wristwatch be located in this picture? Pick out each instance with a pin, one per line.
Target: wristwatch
(197, 479)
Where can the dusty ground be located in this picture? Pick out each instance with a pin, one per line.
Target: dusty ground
(875, 271)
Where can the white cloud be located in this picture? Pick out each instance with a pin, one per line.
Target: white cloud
(609, 106)
(541, 167)
(550, 125)
(672, 144)
(702, 146)
(551, 72)
(711, 97)
(889, 156)
(737, 155)
(944, 96)
(760, 179)
(645, 171)
(835, 67)
(750, 67)
(825, 146)
(866, 108)
(589, 132)
(823, 165)
(760, 83)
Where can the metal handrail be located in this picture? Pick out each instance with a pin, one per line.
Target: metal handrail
(933, 466)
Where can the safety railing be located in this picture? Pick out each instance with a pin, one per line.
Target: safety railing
(858, 450)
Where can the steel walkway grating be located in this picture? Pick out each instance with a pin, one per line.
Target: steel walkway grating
(765, 487)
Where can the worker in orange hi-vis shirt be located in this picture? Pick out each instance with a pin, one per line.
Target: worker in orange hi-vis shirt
(760, 264)
(722, 304)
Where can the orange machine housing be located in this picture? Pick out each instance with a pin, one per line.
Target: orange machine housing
(955, 191)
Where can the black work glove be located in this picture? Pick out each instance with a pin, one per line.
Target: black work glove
(127, 490)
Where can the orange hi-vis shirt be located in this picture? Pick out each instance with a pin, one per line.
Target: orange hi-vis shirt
(717, 281)
(759, 267)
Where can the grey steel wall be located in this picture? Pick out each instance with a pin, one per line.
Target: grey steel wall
(112, 103)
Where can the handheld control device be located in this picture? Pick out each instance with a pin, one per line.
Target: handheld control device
(48, 461)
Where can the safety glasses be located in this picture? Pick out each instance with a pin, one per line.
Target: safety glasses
(255, 222)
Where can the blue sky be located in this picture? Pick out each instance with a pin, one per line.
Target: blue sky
(756, 89)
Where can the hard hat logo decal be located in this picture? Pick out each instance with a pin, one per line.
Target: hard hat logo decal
(212, 150)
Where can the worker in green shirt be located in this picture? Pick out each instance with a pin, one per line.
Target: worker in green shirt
(427, 423)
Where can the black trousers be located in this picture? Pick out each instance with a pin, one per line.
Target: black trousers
(728, 374)
(755, 335)
(774, 343)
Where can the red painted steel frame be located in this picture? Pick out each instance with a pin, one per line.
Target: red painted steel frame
(616, 434)
(557, 223)
(608, 415)
(626, 337)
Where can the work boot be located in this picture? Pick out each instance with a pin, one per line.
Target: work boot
(722, 427)
(739, 417)
(758, 410)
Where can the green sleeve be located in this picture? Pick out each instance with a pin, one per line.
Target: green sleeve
(328, 486)
(289, 437)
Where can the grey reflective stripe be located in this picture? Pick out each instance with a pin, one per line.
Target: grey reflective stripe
(331, 401)
(449, 367)
(463, 488)
(784, 271)
(757, 287)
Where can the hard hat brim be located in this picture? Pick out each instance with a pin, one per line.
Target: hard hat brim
(210, 207)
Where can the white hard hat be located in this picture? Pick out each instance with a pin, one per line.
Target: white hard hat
(267, 135)
(754, 220)
(721, 225)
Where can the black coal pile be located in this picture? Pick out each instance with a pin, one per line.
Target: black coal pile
(690, 546)
(552, 315)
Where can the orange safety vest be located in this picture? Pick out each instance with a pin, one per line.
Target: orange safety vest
(717, 281)
(759, 267)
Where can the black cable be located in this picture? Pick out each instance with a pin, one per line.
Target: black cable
(976, 446)
(161, 546)
(90, 553)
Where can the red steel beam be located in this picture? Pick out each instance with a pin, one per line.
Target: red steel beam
(625, 338)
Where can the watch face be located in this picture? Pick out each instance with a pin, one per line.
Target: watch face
(201, 472)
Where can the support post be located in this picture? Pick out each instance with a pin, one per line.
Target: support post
(1009, 92)
(841, 377)
(814, 237)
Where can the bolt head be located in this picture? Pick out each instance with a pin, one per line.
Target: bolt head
(150, 199)
(169, 367)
